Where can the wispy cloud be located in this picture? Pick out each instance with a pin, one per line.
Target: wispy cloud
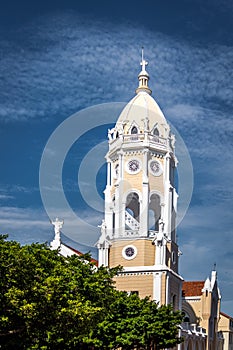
(5, 196)
(28, 223)
(10, 189)
(64, 46)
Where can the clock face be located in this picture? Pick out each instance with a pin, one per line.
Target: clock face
(129, 252)
(155, 167)
(133, 166)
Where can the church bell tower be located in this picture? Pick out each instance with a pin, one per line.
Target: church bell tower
(139, 230)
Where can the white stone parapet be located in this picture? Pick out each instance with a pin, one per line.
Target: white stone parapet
(131, 233)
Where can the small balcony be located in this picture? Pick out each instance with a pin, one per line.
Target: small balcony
(145, 139)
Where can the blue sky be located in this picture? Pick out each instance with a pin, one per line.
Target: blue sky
(58, 58)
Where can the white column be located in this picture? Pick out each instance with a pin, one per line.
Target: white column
(174, 213)
(118, 199)
(158, 255)
(106, 251)
(103, 252)
(108, 173)
(167, 290)
(167, 196)
(157, 287)
(144, 210)
(100, 255)
(108, 202)
(117, 209)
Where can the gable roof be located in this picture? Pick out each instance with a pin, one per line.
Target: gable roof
(77, 252)
(192, 288)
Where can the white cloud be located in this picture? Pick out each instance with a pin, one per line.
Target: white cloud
(9, 189)
(29, 224)
(89, 60)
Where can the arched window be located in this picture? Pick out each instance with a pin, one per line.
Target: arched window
(132, 205)
(134, 130)
(154, 212)
(156, 132)
(173, 301)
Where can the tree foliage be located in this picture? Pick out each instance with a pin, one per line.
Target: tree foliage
(135, 323)
(51, 302)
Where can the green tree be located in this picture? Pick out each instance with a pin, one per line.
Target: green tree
(135, 323)
(51, 302)
(48, 301)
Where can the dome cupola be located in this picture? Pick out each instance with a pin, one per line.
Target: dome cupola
(142, 116)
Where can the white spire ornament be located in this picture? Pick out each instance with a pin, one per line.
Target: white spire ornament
(143, 77)
(143, 63)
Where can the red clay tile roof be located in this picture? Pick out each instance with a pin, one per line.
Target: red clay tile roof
(192, 288)
(77, 252)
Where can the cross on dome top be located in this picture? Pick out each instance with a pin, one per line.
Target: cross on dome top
(143, 77)
(143, 63)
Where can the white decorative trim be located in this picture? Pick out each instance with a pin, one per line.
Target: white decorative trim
(151, 268)
(194, 299)
(155, 127)
(131, 190)
(157, 154)
(134, 152)
(125, 275)
(133, 124)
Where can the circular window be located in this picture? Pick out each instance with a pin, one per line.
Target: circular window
(155, 167)
(129, 252)
(133, 166)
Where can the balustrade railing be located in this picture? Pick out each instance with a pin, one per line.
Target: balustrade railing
(131, 233)
(141, 137)
(131, 222)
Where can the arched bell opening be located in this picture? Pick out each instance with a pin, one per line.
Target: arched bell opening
(133, 205)
(154, 212)
(132, 211)
(156, 132)
(134, 130)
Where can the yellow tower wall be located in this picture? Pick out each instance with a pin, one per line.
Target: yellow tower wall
(136, 282)
(145, 253)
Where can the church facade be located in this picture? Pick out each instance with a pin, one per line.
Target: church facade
(139, 227)
(138, 231)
